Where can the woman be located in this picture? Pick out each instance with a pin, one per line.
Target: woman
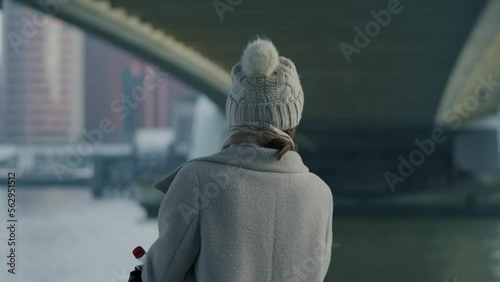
(253, 211)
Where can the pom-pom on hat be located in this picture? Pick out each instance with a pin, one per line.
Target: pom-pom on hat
(265, 88)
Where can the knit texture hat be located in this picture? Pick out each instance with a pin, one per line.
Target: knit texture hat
(265, 88)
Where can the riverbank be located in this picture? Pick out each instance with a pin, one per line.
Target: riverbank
(450, 202)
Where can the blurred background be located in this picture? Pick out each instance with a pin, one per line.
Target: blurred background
(99, 99)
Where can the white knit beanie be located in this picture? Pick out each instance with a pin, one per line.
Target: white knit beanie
(265, 88)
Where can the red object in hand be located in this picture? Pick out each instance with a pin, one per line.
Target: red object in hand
(138, 252)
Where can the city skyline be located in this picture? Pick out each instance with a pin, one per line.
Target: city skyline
(62, 82)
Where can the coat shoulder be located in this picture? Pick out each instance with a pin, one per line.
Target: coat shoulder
(320, 183)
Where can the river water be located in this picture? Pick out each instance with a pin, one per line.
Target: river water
(63, 234)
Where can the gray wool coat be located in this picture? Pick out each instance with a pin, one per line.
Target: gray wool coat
(242, 215)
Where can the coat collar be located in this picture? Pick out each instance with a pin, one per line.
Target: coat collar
(244, 155)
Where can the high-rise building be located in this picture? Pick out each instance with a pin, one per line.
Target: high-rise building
(60, 82)
(111, 77)
(43, 91)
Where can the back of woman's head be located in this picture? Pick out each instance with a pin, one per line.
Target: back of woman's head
(265, 88)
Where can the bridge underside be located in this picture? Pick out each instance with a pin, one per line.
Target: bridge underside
(396, 80)
(361, 110)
